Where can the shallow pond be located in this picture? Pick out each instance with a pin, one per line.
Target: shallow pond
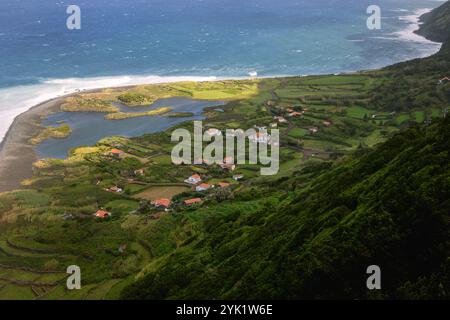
(89, 127)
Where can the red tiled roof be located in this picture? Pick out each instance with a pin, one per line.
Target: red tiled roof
(116, 151)
(192, 201)
(204, 185)
(161, 203)
(195, 176)
(224, 184)
(102, 214)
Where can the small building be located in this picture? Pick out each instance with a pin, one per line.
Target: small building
(161, 203)
(327, 123)
(117, 153)
(274, 125)
(139, 172)
(228, 166)
(102, 214)
(122, 248)
(190, 202)
(115, 189)
(280, 119)
(313, 130)
(295, 114)
(213, 132)
(260, 137)
(224, 184)
(194, 179)
(238, 177)
(203, 187)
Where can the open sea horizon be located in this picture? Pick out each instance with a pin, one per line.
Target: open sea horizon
(132, 42)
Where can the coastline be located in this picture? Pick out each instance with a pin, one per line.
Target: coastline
(17, 154)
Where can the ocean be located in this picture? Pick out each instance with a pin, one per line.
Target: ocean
(130, 42)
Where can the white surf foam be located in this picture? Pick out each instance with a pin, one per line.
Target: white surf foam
(16, 100)
(413, 24)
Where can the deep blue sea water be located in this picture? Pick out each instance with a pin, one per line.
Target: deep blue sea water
(40, 58)
(197, 37)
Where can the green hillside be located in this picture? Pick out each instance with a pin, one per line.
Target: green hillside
(388, 207)
(413, 84)
(436, 24)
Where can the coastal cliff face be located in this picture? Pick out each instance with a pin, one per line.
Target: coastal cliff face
(436, 24)
(400, 91)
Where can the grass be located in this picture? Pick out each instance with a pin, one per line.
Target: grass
(358, 112)
(402, 118)
(419, 116)
(159, 192)
(162, 159)
(14, 292)
(298, 132)
(32, 198)
(121, 206)
(219, 90)
(136, 99)
(80, 104)
(57, 132)
(127, 115)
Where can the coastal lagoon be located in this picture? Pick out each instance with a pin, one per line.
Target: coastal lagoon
(90, 127)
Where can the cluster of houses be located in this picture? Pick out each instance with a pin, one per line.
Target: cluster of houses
(292, 113)
(200, 186)
(227, 164)
(195, 179)
(165, 204)
(259, 137)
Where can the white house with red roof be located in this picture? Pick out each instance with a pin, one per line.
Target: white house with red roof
(194, 179)
(203, 187)
(102, 214)
(161, 203)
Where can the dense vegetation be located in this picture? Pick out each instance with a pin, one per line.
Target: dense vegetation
(135, 99)
(388, 207)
